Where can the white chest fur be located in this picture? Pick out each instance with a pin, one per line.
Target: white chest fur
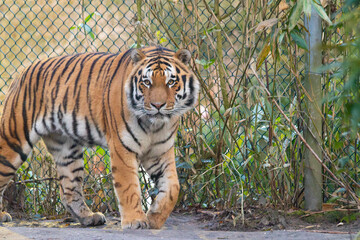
(150, 140)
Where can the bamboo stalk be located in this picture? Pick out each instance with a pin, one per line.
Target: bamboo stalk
(353, 195)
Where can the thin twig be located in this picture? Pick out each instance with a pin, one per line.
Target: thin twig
(36, 180)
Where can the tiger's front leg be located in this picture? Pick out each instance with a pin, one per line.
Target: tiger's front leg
(124, 167)
(163, 172)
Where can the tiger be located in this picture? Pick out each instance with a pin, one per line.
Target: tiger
(129, 102)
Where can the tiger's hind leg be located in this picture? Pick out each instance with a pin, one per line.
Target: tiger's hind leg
(70, 167)
(11, 158)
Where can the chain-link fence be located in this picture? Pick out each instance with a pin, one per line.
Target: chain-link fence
(236, 147)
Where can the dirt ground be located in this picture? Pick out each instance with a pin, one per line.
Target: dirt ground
(203, 224)
(258, 219)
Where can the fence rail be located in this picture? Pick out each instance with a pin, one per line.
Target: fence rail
(236, 147)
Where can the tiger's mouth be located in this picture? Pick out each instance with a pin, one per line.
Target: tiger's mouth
(158, 116)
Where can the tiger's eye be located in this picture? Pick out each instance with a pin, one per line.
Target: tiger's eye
(170, 82)
(147, 82)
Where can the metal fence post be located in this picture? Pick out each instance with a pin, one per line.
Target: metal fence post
(313, 131)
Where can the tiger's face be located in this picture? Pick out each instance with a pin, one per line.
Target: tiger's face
(162, 86)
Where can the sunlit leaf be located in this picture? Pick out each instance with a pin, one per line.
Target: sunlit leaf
(299, 40)
(307, 8)
(320, 10)
(295, 14)
(262, 56)
(204, 63)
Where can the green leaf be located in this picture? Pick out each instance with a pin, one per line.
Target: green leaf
(134, 45)
(307, 7)
(209, 30)
(295, 14)
(281, 37)
(89, 17)
(343, 161)
(204, 63)
(321, 11)
(262, 56)
(92, 35)
(209, 63)
(73, 27)
(299, 40)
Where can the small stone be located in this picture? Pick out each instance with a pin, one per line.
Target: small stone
(340, 224)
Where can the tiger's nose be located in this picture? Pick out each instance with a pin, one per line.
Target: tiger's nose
(158, 105)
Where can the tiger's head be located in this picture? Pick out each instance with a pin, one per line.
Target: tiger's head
(161, 85)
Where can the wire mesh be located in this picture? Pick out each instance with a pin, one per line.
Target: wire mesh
(259, 149)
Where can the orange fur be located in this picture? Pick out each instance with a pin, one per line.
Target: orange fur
(129, 102)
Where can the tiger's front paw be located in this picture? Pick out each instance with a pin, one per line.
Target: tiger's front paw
(156, 220)
(141, 223)
(5, 217)
(95, 219)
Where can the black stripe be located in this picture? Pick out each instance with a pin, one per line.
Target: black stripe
(70, 189)
(132, 100)
(16, 148)
(191, 85)
(13, 119)
(183, 78)
(183, 69)
(141, 126)
(62, 177)
(89, 81)
(75, 154)
(77, 169)
(128, 128)
(52, 112)
(65, 164)
(76, 179)
(127, 147)
(43, 119)
(55, 68)
(157, 161)
(79, 73)
(7, 174)
(74, 124)
(25, 119)
(73, 68)
(65, 100)
(88, 131)
(3, 186)
(30, 78)
(190, 102)
(108, 89)
(44, 77)
(159, 129)
(6, 163)
(68, 63)
(35, 88)
(122, 100)
(167, 139)
(156, 175)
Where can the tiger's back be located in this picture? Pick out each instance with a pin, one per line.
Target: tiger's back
(128, 102)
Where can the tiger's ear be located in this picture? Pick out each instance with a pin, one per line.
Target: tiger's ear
(183, 55)
(137, 55)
